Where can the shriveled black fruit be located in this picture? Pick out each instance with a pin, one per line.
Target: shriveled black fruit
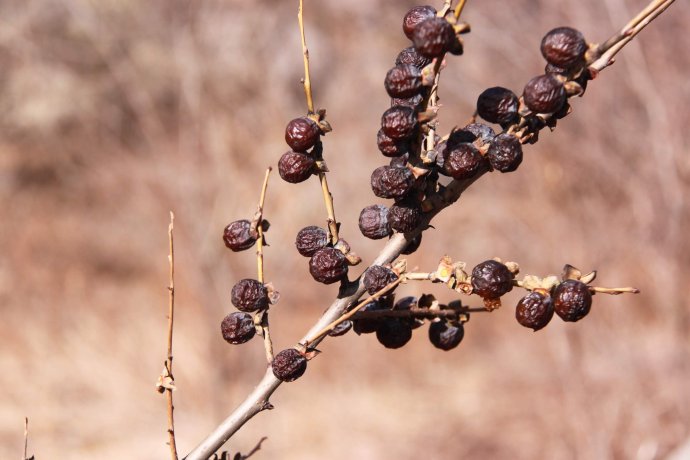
(410, 56)
(301, 134)
(341, 329)
(401, 161)
(413, 245)
(535, 310)
(407, 303)
(373, 222)
(572, 300)
(544, 94)
(404, 217)
(498, 105)
(445, 335)
(311, 239)
(238, 236)
(328, 265)
(391, 182)
(433, 37)
(414, 102)
(403, 81)
(399, 122)
(550, 68)
(394, 332)
(415, 16)
(389, 147)
(462, 161)
(368, 325)
(491, 279)
(456, 47)
(377, 277)
(238, 327)
(481, 131)
(249, 295)
(295, 167)
(563, 47)
(505, 153)
(289, 365)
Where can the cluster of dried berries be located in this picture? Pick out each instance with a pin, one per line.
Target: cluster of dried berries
(303, 136)
(327, 264)
(571, 300)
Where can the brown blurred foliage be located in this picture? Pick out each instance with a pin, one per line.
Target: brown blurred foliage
(114, 112)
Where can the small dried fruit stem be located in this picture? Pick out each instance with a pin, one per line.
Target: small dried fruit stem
(26, 437)
(418, 276)
(266, 333)
(169, 360)
(614, 291)
(458, 9)
(328, 199)
(260, 231)
(305, 53)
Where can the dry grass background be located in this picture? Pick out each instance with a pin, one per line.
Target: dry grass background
(113, 112)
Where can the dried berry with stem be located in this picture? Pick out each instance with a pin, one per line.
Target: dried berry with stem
(239, 235)
(328, 265)
(491, 279)
(302, 133)
(415, 16)
(377, 277)
(505, 153)
(564, 47)
(572, 300)
(238, 327)
(403, 81)
(399, 123)
(404, 217)
(498, 105)
(535, 310)
(373, 222)
(289, 365)
(391, 182)
(433, 37)
(544, 94)
(249, 295)
(311, 239)
(296, 167)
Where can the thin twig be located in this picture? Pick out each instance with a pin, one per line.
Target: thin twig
(330, 210)
(614, 291)
(169, 360)
(26, 437)
(458, 9)
(305, 53)
(265, 330)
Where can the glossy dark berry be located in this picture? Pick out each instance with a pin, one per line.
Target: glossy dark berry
(341, 329)
(505, 153)
(389, 147)
(368, 325)
(391, 182)
(498, 105)
(535, 310)
(377, 277)
(328, 265)
(404, 217)
(491, 279)
(410, 56)
(295, 167)
(563, 47)
(249, 295)
(394, 332)
(399, 122)
(373, 222)
(289, 365)
(238, 235)
(462, 161)
(446, 336)
(311, 239)
(544, 94)
(301, 134)
(481, 131)
(403, 81)
(572, 300)
(433, 37)
(238, 327)
(415, 16)
(414, 102)
(413, 245)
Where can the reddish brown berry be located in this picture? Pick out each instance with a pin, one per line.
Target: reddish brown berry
(238, 235)
(238, 327)
(249, 295)
(446, 336)
(389, 147)
(563, 47)
(401, 161)
(480, 131)
(391, 182)
(410, 56)
(505, 153)
(403, 81)
(404, 217)
(368, 325)
(341, 329)
(414, 102)
(373, 222)
(328, 265)
(399, 123)
(498, 105)
(462, 161)
(377, 277)
(295, 167)
(311, 239)
(413, 245)
(393, 332)
(535, 310)
(433, 37)
(572, 300)
(491, 279)
(301, 134)
(415, 16)
(544, 94)
(289, 365)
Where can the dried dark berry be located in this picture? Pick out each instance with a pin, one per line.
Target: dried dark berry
(401, 161)
(414, 102)
(415, 16)
(535, 310)
(238, 235)
(311, 239)
(550, 68)
(572, 300)
(404, 217)
(393, 332)
(373, 222)
(563, 47)
(410, 56)
(295, 167)
(368, 325)
(403, 81)
(328, 265)
(249, 295)
(413, 245)
(433, 37)
(399, 122)
(445, 335)
(498, 105)
(544, 94)
(389, 147)
(462, 161)
(406, 303)
(289, 365)
(238, 327)
(377, 277)
(505, 153)
(481, 131)
(301, 134)
(341, 329)
(491, 279)
(391, 182)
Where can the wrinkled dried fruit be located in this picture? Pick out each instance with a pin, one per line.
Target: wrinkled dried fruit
(462, 161)
(377, 277)
(301, 134)
(238, 236)
(403, 81)
(391, 182)
(572, 300)
(445, 335)
(399, 122)
(341, 329)
(373, 222)
(393, 332)
(410, 56)
(535, 310)
(249, 295)
(311, 239)
(295, 167)
(481, 131)
(368, 325)
(389, 147)
(498, 105)
(238, 327)
(433, 37)
(289, 365)
(505, 153)
(401, 161)
(328, 265)
(414, 102)
(406, 303)
(491, 279)
(404, 217)
(413, 245)
(563, 47)
(544, 94)
(415, 16)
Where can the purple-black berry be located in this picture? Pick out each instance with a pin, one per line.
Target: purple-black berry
(391, 182)
(505, 153)
(328, 265)
(535, 310)
(377, 277)
(415, 16)
(446, 336)
(249, 295)
(498, 105)
(238, 235)
(491, 279)
(394, 332)
(373, 222)
(237, 327)
(301, 134)
(572, 300)
(289, 365)
(311, 239)
(399, 122)
(296, 167)
(403, 81)
(563, 47)
(433, 37)
(544, 94)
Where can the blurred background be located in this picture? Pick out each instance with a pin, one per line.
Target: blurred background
(114, 112)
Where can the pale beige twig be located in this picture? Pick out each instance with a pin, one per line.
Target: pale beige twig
(26, 437)
(169, 360)
(265, 330)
